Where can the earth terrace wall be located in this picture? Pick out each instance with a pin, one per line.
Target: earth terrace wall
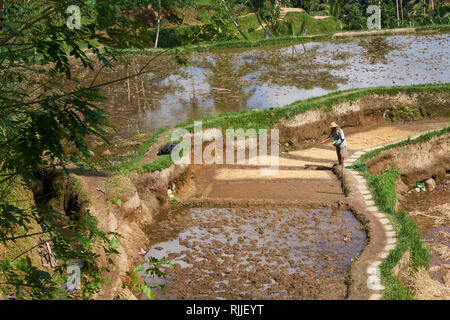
(303, 122)
(365, 111)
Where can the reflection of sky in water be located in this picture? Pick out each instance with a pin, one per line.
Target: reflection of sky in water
(178, 104)
(266, 96)
(417, 62)
(320, 234)
(413, 60)
(252, 76)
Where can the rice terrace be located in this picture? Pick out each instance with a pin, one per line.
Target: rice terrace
(224, 150)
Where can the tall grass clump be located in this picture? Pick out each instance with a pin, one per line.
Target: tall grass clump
(132, 163)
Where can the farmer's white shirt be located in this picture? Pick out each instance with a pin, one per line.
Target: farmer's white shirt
(339, 134)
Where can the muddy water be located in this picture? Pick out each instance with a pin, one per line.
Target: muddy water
(232, 80)
(256, 253)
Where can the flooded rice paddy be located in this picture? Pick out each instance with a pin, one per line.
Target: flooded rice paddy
(285, 253)
(270, 77)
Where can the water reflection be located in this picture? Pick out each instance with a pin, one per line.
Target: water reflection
(233, 80)
(247, 253)
(377, 49)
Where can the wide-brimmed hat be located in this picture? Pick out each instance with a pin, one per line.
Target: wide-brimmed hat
(334, 125)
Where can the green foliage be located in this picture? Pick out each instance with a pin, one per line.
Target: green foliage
(134, 281)
(220, 28)
(141, 152)
(408, 239)
(178, 36)
(404, 113)
(302, 24)
(385, 195)
(249, 24)
(383, 186)
(45, 111)
(271, 15)
(353, 14)
(162, 162)
(196, 41)
(76, 239)
(117, 201)
(420, 187)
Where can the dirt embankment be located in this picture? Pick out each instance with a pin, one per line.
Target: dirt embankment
(128, 205)
(417, 162)
(306, 128)
(428, 163)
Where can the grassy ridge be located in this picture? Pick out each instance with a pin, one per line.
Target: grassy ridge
(132, 163)
(383, 189)
(266, 119)
(233, 44)
(382, 186)
(136, 165)
(160, 163)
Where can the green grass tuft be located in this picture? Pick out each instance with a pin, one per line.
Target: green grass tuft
(129, 165)
(160, 163)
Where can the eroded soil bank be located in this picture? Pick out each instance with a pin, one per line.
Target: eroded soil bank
(431, 213)
(248, 253)
(429, 163)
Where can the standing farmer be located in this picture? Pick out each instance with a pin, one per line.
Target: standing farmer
(338, 141)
